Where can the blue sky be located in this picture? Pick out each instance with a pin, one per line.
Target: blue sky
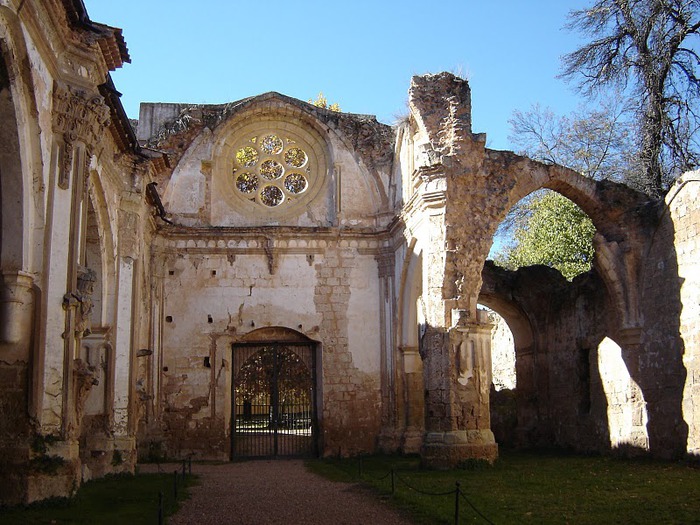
(361, 54)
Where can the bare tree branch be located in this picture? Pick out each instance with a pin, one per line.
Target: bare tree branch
(652, 47)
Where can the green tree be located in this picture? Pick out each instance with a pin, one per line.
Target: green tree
(552, 231)
(650, 49)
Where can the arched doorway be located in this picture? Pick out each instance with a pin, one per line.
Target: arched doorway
(273, 394)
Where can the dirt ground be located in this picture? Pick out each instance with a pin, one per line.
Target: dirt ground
(276, 492)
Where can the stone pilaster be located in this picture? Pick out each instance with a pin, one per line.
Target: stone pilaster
(388, 439)
(467, 434)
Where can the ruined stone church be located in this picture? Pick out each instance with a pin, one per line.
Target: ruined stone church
(270, 278)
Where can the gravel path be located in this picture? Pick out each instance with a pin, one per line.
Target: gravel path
(282, 491)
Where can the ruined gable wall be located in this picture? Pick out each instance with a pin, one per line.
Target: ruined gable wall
(573, 389)
(229, 266)
(643, 375)
(353, 151)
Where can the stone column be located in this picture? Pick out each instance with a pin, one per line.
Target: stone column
(16, 315)
(455, 343)
(388, 439)
(122, 348)
(412, 437)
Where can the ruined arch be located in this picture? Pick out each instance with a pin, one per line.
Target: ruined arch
(21, 192)
(517, 320)
(12, 191)
(409, 292)
(22, 189)
(621, 215)
(508, 430)
(625, 221)
(100, 219)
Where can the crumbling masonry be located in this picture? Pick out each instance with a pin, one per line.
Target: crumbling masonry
(152, 271)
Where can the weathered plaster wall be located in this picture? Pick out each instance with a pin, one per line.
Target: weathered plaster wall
(214, 296)
(348, 183)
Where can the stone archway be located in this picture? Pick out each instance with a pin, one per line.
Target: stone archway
(274, 404)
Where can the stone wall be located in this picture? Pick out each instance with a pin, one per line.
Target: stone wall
(71, 171)
(680, 267)
(130, 269)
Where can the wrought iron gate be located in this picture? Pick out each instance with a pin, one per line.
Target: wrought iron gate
(273, 400)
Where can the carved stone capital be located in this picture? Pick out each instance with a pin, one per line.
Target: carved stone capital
(386, 261)
(78, 115)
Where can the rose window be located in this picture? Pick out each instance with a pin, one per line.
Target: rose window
(271, 170)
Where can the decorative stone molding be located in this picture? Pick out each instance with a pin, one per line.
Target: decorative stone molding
(86, 283)
(84, 378)
(77, 115)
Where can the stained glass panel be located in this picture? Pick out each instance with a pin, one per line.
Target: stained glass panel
(247, 182)
(271, 144)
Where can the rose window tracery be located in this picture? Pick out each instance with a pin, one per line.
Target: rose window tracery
(272, 170)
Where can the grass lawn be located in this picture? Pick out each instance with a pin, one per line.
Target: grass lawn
(537, 488)
(114, 500)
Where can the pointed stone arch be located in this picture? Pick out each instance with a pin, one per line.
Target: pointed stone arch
(21, 182)
(409, 380)
(103, 221)
(622, 217)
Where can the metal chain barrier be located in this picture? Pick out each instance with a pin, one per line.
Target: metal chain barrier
(475, 509)
(162, 503)
(457, 492)
(364, 476)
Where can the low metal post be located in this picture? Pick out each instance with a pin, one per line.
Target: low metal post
(160, 507)
(175, 484)
(190, 466)
(457, 503)
(184, 472)
(393, 484)
(359, 467)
